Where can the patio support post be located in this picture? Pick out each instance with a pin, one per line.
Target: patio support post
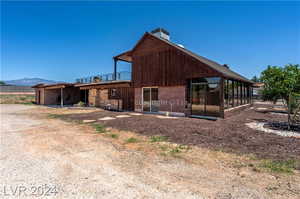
(115, 69)
(61, 97)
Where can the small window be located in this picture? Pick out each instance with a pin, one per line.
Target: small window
(113, 92)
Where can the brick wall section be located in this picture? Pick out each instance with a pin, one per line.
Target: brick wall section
(172, 99)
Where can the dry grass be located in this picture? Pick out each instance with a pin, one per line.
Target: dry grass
(17, 99)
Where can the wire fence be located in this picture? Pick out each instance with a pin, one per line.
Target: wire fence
(11, 88)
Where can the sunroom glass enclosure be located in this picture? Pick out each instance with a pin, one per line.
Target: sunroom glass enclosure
(211, 95)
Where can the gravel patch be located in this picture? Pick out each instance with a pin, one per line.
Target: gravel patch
(88, 121)
(136, 114)
(123, 116)
(165, 117)
(260, 126)
(106, 118)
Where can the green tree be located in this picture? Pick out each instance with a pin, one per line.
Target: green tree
(255, 79)
(282, 83)
(2, 82)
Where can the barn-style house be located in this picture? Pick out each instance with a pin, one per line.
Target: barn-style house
(167, 78)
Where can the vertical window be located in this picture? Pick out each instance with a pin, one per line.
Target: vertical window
(236, 93)
(230, 94)
(113, 92)
(226, 93)
(154, 100)
(241, 94)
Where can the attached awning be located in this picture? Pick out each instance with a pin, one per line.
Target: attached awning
(126, 56)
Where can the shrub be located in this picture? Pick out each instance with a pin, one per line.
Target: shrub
(132, 140)
(280, 166)
(99, 128)
(114, 135)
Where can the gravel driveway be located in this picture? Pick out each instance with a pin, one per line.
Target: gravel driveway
(31, 157)
(49, 157)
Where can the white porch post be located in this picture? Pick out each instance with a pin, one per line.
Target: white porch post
(61, 97)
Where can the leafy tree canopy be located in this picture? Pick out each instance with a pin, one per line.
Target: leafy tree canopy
(2, 82)
(280, 82)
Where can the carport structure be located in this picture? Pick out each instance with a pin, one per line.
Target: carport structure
(57, 94)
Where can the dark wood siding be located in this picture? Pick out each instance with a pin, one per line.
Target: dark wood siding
(126, 94)
(155, 63)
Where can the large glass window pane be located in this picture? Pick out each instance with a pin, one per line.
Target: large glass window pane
(230, 94)
(205, 93)
(242, 92)
(154, 100)
(226, 94)
(198, 98)
(236, 93)
(213, 97)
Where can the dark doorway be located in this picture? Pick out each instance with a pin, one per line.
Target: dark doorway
(84, 96)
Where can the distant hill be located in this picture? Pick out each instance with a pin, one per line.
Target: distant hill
(30, 81)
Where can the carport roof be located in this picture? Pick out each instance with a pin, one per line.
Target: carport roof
(58, 85)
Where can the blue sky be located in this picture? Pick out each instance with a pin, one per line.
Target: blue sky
(66, 40)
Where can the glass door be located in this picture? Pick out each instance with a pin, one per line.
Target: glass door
(146, 99)
(198, 94)
(150, 100)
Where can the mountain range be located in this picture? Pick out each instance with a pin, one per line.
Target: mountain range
(30, 81)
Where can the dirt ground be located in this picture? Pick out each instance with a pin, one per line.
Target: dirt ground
(230, 134)
(37, 149)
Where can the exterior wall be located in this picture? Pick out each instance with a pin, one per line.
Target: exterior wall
(171, 99)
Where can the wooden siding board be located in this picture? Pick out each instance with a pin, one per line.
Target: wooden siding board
(167, 68)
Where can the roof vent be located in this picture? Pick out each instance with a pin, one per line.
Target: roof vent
(180, 45)
(225, 65)
(161, 33)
